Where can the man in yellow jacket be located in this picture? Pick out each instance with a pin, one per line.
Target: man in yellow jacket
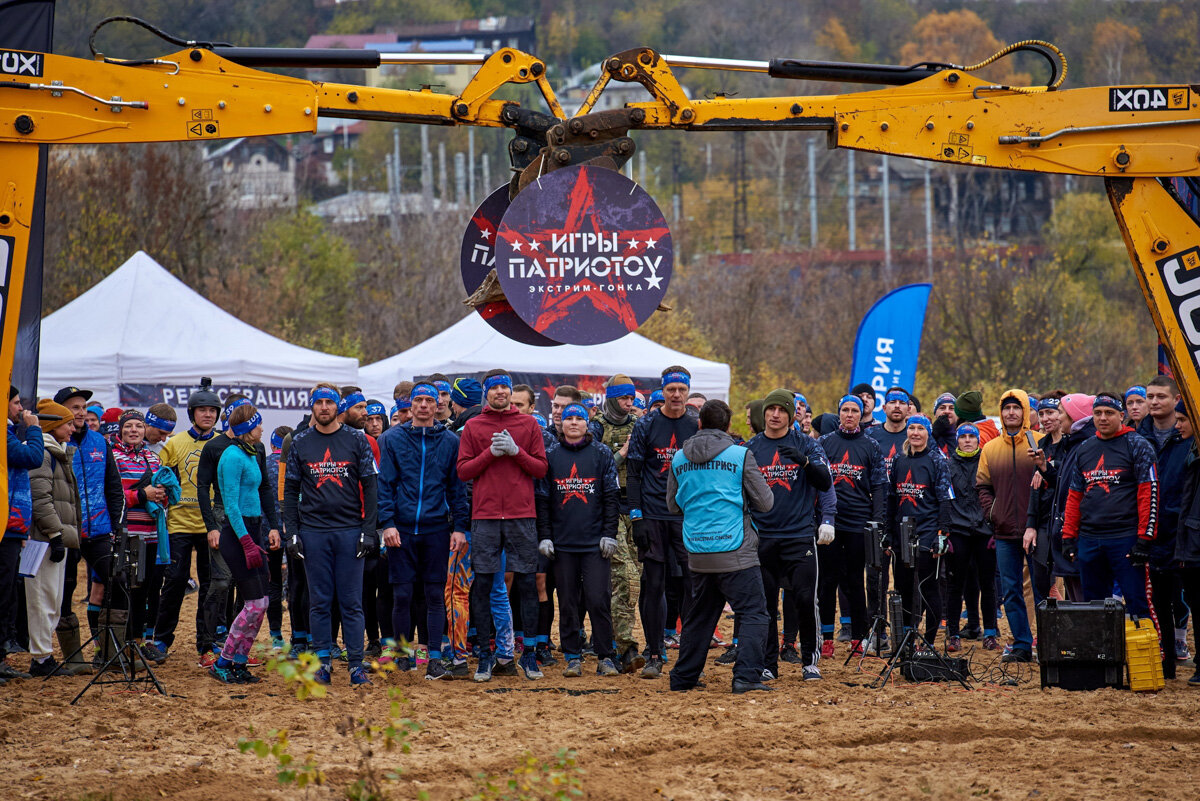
(1005, 471)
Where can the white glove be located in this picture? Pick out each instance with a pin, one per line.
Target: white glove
(497, 449)
(546, 548)
(504, 441)
(608, 546)
(824, 534)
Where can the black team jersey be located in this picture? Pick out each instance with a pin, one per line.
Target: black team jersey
(652, 445)
(859, 478)
(579, 498)
(921, 489)
(1113, 488)
(794, 513)
(326, 471)
(891, 445)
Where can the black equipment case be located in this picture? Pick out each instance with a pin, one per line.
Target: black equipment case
(1081, 645)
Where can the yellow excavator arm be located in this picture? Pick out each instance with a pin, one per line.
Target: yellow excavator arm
(1131, 136)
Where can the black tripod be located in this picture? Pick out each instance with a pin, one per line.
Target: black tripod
(123, 567)
(906, 647)
(879, 620)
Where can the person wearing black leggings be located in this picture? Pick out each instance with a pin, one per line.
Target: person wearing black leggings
(970, 553)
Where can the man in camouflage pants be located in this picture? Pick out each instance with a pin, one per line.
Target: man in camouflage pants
(613, 427)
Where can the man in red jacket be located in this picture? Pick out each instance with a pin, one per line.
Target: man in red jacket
(502, 452)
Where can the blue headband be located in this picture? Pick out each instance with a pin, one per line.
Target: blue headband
(896, 395)
(350, 401)
(676, 378)
(656, 397)
(323, 393)
(1049, 403)
(375, 408)
(638, 402)
(589, 403)
(575, 410)
(442, 386)
(1110, 402)
(423, 391)
(501, 380)
(923, 421)
(229, 410)
(1136, 389)
(241, 429)
(276, 441)
(541, 420)
(967, 428)
(857, 401)
(620, 391)
(401, 403)
(159, 423)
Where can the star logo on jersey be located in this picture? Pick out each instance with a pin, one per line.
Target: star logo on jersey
(910, 491)
(665, 455)
(329, 471)
(96, 456)
(844, 472)
(1100, 478)
(575, 487)
(779, 473)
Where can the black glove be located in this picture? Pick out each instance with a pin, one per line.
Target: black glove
(364, 545)
(1070, 548)
(1139, 554)
(641, 537)
(789, 452)
(58, 551)
(295, 548)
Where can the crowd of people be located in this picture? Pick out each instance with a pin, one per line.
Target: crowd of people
(453, 527)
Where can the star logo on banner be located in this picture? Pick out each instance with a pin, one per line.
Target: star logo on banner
(534, 245)
(575, 487)
(633, 243)
(650, 243)
(329, 471)
(665, 455)
(516, 245)
(486, 235)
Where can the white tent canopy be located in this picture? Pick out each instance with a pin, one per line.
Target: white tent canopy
(143, 326)
(472, 346)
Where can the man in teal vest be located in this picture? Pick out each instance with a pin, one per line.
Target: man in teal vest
(714, 482)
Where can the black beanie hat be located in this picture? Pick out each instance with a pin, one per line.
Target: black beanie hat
(863, 389)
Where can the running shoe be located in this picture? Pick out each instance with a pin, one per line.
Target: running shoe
(245, 676)
(47, 667)
(518, 643)
(339, 653)
(322, 675)
(1194, 681)
(1182, 653)
(789, 654)
(359, 676)
(827, 649)
(298, 647)
(207, 660)
(953, 644)
(483, 672)
(435, 670)
(970, 633)
(7, 671)
(573, 670)
(372, 650)
(224, 675)
(278, 643)
(458, 671)
(990, 643)
(387, 655)
(529, 666)
(151, 653)
(507, 668)
(253, 661)
(856, 648)
(671, 641)
(544, 657)
(844, 635)
(729, 657)
(718, 641)
(767, 675)
(607, 668)
(405, 663)
(811, 672)
(1017, 655)
(653, 668)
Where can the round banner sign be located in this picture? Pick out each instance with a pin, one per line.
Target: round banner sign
(478, 257)
(584, 255)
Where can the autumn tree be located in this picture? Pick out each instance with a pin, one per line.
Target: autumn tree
(1117, 54)
(959, 37)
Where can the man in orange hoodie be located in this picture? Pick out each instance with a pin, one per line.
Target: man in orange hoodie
(1003, 479)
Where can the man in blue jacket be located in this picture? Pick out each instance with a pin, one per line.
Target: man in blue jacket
(24, 454)
(423, 512)
(714, 483)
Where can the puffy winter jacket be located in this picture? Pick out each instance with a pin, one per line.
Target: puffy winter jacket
(101, 500)
(419, 487)
(1187, 540)
(56, 505)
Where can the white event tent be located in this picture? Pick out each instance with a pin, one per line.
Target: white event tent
(142, 335)
(471, 346)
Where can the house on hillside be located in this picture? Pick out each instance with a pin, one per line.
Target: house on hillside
(258, 172)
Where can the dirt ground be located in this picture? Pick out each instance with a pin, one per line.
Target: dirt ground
(635, 739)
